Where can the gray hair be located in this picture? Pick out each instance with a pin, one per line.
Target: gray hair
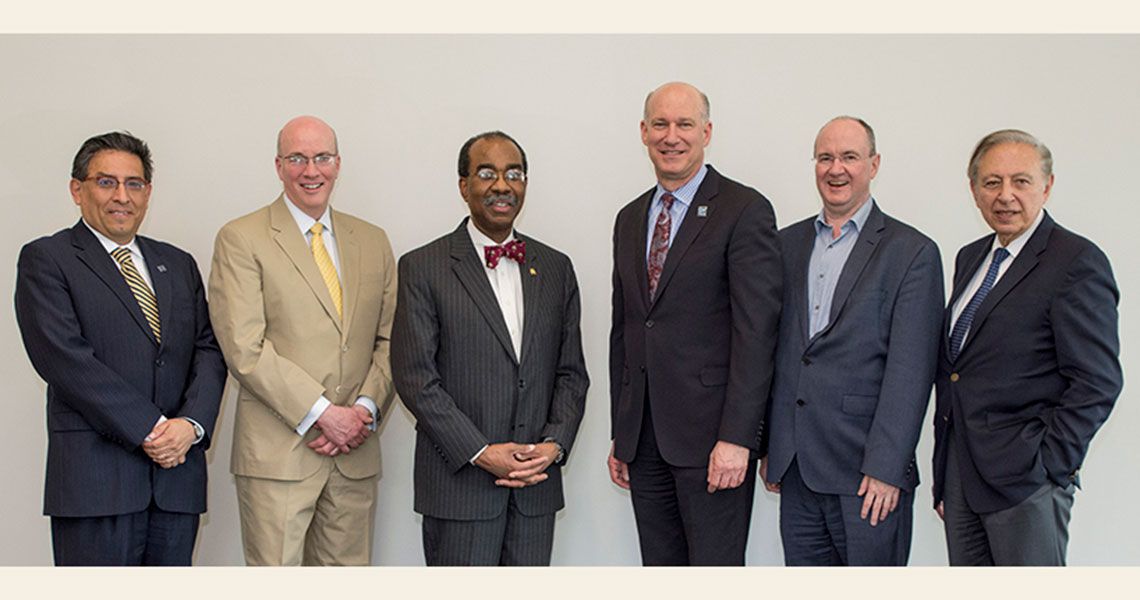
(1009, 136)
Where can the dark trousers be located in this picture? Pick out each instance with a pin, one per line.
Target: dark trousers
(826, 530)
(678, 522)
(149, 538)
(510, 539)
(1033, 532)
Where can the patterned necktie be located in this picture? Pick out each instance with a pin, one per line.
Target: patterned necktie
(325, 266)
(515, 250)
(659, 247)
(967, 317)
(139, 288)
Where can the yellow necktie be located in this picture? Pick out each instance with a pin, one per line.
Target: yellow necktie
(325, 266)
(138, 286)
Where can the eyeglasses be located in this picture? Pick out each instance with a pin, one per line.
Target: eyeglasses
(487, 175)
(299, 161)
(108, 183)
(846, 158)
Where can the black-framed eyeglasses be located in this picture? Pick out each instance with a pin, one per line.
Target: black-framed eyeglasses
(108, 183)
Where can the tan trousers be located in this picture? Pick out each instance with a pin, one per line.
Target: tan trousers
(326, 519)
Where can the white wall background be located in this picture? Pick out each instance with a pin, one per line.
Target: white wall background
(210, 107)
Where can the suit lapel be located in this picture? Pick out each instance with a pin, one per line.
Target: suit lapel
(348, 251)
(469, 270)
(801, 246)
(160, 281)
(292, 242)
(699, 213)
(91, 253)
(1025, 262)
(861, 254)
(532, 281)
(640, 232)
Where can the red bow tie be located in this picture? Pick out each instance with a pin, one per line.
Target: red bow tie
(515, 250)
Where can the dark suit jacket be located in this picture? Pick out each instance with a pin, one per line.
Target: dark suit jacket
(456, 370)
(1038, 373)
(850, 400)
(108, 381)
(701, 351)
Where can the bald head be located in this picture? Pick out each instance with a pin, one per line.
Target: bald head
(305, 126)
(844, 119)
(678, 89)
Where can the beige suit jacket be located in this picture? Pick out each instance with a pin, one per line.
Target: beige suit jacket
(285, 344)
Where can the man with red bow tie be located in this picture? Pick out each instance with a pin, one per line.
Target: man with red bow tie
(487, 354)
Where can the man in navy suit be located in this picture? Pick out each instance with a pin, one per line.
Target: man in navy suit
(117, 326)
(1029, 366)
(696, 302)
(854, 365)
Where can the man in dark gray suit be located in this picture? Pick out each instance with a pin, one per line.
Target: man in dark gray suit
(487, 354)
(854, 364)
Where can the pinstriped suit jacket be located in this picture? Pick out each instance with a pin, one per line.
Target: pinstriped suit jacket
(456, 371)
(109, 380)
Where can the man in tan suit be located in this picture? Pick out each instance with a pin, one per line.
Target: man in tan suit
(302, 299)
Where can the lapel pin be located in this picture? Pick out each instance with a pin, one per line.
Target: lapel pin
(533, 272)
(703, 211)
(161, 268)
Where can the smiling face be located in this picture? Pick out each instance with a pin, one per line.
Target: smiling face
(307, 185)
(1010, 189)
(845, 164)
(494, 202)
(115, 213)
(676, 133)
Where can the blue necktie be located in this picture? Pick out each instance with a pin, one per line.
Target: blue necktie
(967, 317)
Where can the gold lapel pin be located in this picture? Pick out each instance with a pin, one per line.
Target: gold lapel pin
(533, 272)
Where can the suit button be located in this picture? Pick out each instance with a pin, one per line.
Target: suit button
(649, 324)
(945, 417)
(522, 384)
(642, 368)
(344, 348)
(160, 362)
(954, 377)
(800, 402)
(339, 388)
(805, 360)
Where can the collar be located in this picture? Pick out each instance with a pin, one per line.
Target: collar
(685, 193)
(110, 245)
(304, 221)
(1020, 241)
(481, 240)
(857, 220)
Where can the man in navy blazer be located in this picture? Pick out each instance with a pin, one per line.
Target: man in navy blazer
(1029, 366)
(117, 326)
(696, 301)
(854, 365)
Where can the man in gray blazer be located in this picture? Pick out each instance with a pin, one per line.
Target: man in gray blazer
(487, 354)
(855, 361)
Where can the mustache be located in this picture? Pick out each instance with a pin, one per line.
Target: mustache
(509, 198)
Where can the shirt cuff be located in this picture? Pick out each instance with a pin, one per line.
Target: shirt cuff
(160, 421)
(199, 431)
(478, 454)
(370, 404)
(315, 413)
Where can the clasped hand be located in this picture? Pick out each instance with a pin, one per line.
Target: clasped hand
(518, 465)
(342, 429)
(169, 441)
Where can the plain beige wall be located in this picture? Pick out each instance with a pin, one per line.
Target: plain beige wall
(210, 107)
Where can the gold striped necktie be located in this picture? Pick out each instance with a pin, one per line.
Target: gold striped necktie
(325, 266)
(139, 288)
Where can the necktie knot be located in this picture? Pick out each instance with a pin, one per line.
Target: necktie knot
(1000, 254)
(514, 250)
(316, 229)
(667, 201)
(121, 254)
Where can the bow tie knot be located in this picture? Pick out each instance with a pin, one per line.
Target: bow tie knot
(515, 250)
